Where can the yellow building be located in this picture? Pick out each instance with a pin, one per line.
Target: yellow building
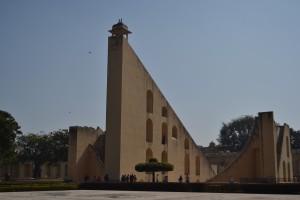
(266, 157)
(25, 171)
(141, 124)
(296, 164)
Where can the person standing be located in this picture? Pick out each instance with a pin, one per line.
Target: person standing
(106, 178)
(180, 179)
(187, 178)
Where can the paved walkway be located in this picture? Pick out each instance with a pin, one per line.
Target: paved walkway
(129, 195)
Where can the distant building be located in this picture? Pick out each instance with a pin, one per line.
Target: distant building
(219, 160)
(266, 157)
(296, 163)
(25, 171)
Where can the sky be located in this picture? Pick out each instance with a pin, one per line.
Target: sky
(213, 60)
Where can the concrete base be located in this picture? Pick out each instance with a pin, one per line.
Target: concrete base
(252, 188)
(129, 195)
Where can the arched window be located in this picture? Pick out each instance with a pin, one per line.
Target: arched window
(16, 170)
(287, 146)
(149, 101)
(174, 132)
(149, 154)
(58, 170)
(164, 133)
(197, 165)
(66, 170)
(164, 156)
(27, 170)
(289, 171)
(284, 171)
(149, 131)
(164, 111)
(186, 144)
(49, 171)
(187, 164)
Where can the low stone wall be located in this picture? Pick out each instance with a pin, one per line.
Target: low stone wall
(277, 188)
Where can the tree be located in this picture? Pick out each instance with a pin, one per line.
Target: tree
(9, 129)
(295, 139)
(234, 134)
(154, 166)
(40, 149)
(34, 148)
(58, 146)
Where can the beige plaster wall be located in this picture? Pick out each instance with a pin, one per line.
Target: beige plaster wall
(113, 108)
(285, 163)
(268, 138)
(263, 155)
(25, 170)
(221, 160)
(134, 82)
(82, 159)
(296, 163)
(245, 165)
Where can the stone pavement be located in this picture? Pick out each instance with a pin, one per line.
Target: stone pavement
(129, 195)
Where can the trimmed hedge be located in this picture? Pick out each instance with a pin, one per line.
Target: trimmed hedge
(154, 167)
(35, 186)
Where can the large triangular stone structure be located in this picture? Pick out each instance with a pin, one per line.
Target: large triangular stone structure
(140, 123)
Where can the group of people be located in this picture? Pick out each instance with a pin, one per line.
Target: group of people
(97, 179)
(128, 178)
(164, 180)
(7, 177)
(132, 178)
(187, 179)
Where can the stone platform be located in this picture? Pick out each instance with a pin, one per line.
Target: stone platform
(131, 195)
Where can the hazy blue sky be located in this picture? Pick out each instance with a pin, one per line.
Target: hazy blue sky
(213, 60)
